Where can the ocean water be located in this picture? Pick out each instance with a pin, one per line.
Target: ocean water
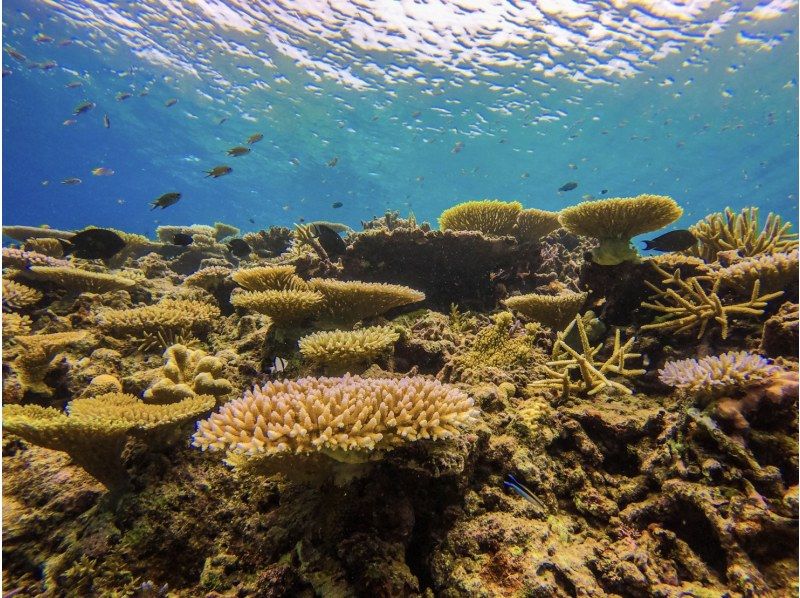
(409, 106)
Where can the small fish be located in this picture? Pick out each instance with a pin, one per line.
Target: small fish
(255, 138)
(16, 55)
(251, 220)
(171, 102)
(83, 107)
(218, 171)
(330, 240)
(572, 166)
(65, 42)
(604, 191)
(69, 121)
(106, 121)
(71, 181)
(333, 161)
(524, 492)
(525, 175)
(42, 38)
(182, 239)
(415, 114)
(568, 186)
(222, 120)
(102, 171)
(457, 147)
(45, 182)
(239, 247)
(143, 93)
(6, 72)
(238, 151)
(45, 66)
(93, 244)
(278, 365)
(337, 204)
(122, 95)
(676, 240)
(295, 162)
(166, 200)
(74, 84)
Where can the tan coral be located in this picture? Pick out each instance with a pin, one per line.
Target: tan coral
(188, 373)
(166, 233)
(208, 278)
(269, 278)
(775, 271)
(15, 325)
(348, 302)
(23, 233)
(285, 308)
(489, 216)
(35, 355)
(341, 351)
(222, 230)
(614, 222)
(102, 384)
(45, 245)
(688, 265)
(532, 224)
(18, 296)
(555, 311)
(79, 280)
(176, 315)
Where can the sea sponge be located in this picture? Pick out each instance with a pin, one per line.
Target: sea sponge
(555, 311)
(775, 271)
(532, 224)
(715, 376)
(489, 216)
(343, 351)
(188, 373)
(36, 353)
(80, 281)
(731, 231)
(15, 325)
(615, 221)
(208, 278)
(94, 431)
(347, 302)
(344, 418)
(285, 308)
(269, 278)
(17, 296)
(17, 258)
(173, 315)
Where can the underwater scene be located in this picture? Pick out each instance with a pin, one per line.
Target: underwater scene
(400, 299)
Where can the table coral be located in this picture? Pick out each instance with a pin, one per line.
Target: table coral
(775, 272)
(35, 355)
(348, 302)
(533, 224)
(79, 280)
(23, 233)
(166, 315)
(17, 296)
(269, 278)
(285, 308)
(555, 311)
(188, 373)
(489, 216)
(342, 351)
(614, 222)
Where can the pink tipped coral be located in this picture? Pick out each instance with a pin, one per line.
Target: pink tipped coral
(717, 375)
(17, 258)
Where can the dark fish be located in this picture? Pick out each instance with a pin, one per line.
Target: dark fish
(252, 221)
(74, 84)
(106, 121)
(333, 161)
(239, 247)
(166, 200)
(83, 107)
(337, 204)
(93, 244)
(71, 181)
(330, 240)
(182, 239)
(568, 186)
(457, 147)
(16, 55)
(6, 72)
(218, 171)
(123, 95)
(222, 120)
(604, 191)
(676, 240)
(254, 138)
(170, 102)
(238, 151)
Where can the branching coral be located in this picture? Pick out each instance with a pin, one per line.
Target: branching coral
(614, 222)
(176, 315)
(15, 325)
(95, 430)
(208, 278)
(285, 308)
(688, 265)
(692, 306)
(774, 271)
(532, 224)
(17, 258)
(17, 296)
(269, 278)
(345, 418)
(729, 230)
(44, 245)
(78, 280)
(343, 351)
(593, 374)
(35, 355)
(188, 373)
(304, 237)
(489, 216)
(348, 302)
(555, 311)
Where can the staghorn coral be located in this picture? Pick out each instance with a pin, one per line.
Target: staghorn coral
(533, 224)
(15, 325)
(347, 418)
(717, 375)
(555, 311)
(342, 351)
(269, 278)
(175, 315)
(78, 280)
(774, 271)
(94, 430)
(489, 216)
(348, 302)
(17, 258)
(188, 373)
(731, 231)
(35, 355)
(285, 308)
(593, 374)
(17, 296)
(687, 264)
(614, 222)
(208, 278)
(692, 306)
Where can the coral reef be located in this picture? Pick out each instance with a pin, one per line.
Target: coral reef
(174, 315)
(15, 325)
(533, 224)
(555, 311)
(348, 302)
(780, 335)
(17, 258)
(36, 354)
(489, 216)
(17, 296)
(78, 280)
(345, 351)
(285, 308)
(269, 278)
(774, 271)
(188, 373)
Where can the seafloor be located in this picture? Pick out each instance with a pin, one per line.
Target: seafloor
(646, 407)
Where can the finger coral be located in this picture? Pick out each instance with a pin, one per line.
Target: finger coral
(343, 351)
(168, 314)
(36, 353)
(347, 302)
(775, 272)
(731, 231)
(17, 296)
(555, 311)
(532, 224)
(285, 308)
(78, 280)
(188, 373)
(345, 418)
(489, 216)
(269, 278)
(15, 325)
(614, 222)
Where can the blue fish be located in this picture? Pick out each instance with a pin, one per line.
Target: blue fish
(524, 492)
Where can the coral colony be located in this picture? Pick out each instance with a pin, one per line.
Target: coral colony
(351, 416)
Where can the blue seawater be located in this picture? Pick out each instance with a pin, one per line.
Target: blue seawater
(419, 104)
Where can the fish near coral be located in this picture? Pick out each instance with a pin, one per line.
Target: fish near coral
(218, 171)
(568, 186)
(92, 244)
(166, 200)
(676, 240)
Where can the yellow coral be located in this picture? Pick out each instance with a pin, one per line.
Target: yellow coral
(15, 325)
(342, 350)
(614, 222)
(35, 355)
(78, 280)
(555, 311)
(775, 271)
(167, 233)
(532, 224)
(285, 308)
(222, 230)
(348, 302)
(19, 296)
(188, 373)
(101, 385)
(44, 245)
(269, 278)
(23, 233)
(168, 314)
(489, 216)
(207, 278)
